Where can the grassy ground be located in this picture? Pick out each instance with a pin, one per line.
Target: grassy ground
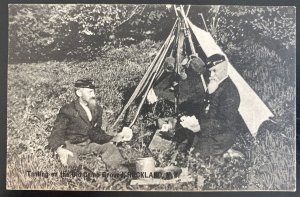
(37, 91)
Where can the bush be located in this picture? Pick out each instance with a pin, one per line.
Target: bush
(85, 32)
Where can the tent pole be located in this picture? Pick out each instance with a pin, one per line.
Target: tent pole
(191, 43)
(178, 55)
(154, 62)
(204, 22)
(152, 80)
(171, 54)
(175, 10)
(188, 32)
(148, 72)
(138, 88)
(188, 10)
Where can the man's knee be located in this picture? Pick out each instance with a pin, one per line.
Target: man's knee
(109, 153)
(110, 148)
(103, 148)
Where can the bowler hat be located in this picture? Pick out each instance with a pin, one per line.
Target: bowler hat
(214, 60)
(85, 83)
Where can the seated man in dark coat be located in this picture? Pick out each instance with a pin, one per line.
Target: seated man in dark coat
(77, 129)
(213, 131)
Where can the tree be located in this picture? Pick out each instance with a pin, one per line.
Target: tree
(84, 31)
(41, 32)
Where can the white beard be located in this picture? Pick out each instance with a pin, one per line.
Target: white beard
(212, 86)
(92, 103)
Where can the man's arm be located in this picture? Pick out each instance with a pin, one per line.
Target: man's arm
(97, 134)
(225, 120)
(58, 134)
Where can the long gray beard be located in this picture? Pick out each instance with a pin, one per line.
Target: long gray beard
(92, 104)
(212, 86)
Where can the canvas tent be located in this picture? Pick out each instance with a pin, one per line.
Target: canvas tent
(184, 43)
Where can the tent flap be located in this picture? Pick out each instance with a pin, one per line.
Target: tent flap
(252, 108)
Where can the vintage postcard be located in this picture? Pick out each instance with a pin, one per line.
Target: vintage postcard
(117, 97)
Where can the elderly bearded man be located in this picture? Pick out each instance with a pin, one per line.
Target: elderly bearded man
(77, 129)
(214, 130)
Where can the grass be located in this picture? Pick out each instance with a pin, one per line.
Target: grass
(37, 91)
(273, 156)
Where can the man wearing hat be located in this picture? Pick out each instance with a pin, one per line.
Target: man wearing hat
(77, 129)
(214, 129)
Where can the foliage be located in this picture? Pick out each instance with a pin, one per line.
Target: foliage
(60, 32)
(273, 26)
(155, 22)
(41, 32)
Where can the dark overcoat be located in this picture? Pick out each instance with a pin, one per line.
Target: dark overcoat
(72, 124)
(218, 122)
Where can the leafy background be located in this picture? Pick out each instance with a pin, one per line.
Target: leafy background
(50, 46)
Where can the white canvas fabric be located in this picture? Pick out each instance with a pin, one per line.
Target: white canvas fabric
(252, 108)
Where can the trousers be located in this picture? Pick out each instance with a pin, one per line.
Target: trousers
(109, 153)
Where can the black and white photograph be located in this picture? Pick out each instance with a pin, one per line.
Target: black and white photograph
(151, 97)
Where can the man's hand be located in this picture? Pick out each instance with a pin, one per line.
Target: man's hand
(191, 123)
(117, 138)
(63, 155)
(166, 127)
(124, 135)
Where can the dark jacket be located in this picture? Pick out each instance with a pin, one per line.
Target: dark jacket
(218, 124)
(72, 124)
